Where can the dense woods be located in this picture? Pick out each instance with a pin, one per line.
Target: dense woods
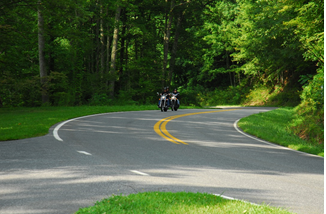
(96, 52)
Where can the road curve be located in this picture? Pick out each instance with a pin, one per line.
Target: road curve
(121, 153)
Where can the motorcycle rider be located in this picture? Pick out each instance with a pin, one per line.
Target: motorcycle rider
(167, 90)
(177, 95)
(167, 96)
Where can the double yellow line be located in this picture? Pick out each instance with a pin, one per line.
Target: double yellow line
(160, 126)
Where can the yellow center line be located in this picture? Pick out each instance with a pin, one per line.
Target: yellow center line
(166, 133)
(160, 126)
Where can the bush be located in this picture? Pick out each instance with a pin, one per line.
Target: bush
(58, 87)
(190, 96)
(20, 92)
(233, 95)
(309, 123)
(100, 100)
(61, 99)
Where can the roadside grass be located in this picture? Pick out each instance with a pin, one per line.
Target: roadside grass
(180, 202)
(20, 123)
(273, 126)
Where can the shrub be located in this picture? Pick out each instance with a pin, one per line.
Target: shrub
(190, 96)
(20, 92)
(309, 123)
(100, 100)
(233, 95)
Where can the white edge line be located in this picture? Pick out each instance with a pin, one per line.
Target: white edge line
(225, 197)
(56, 129)
(83, 152)
(271, 144)
(233, 199)
(139, 173)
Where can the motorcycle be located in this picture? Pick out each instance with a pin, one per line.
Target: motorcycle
(174, 103)
(163, 102)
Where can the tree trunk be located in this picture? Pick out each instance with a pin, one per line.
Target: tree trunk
(108, 55)
(136, 48)
(234, 73)
(122, 37)
(102, 44)
(126, 65)
(167, 33)
(228, 66)
(174, 48)
(50, 53)
(97, 42)
(92, 64)
(41, 48)
(114, 51)
(239, 78)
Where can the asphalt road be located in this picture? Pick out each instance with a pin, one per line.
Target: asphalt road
(120, 153)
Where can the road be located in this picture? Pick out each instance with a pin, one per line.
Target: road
(87, 159)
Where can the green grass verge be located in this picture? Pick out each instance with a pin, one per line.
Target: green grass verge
(20, 123)
(273, 126)
(181, 202)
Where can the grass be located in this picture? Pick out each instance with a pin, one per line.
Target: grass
(273, 126)
(180, 202)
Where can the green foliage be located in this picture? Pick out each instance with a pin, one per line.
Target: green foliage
(258, 95)
(58, 87)
(309, 123)
(180, 202)
(304, 79)
(189, 96)
(218, 33)
(219, 42)
(265, 45)
(100, 100)
(309, 26)
(230, 96)
(313, 93)
(20, 92)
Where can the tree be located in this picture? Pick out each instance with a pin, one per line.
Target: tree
(41, 50)
(268, 48)
(114, 50)
(90, 49)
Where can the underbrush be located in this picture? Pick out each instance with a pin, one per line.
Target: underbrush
(259, 95)
(309, 120)
(220, 96)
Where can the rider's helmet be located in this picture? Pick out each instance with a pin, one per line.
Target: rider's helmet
(164, 88)
(175, 90)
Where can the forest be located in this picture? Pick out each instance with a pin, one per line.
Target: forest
(106, 52)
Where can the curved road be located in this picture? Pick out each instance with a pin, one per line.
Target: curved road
(86, 159)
